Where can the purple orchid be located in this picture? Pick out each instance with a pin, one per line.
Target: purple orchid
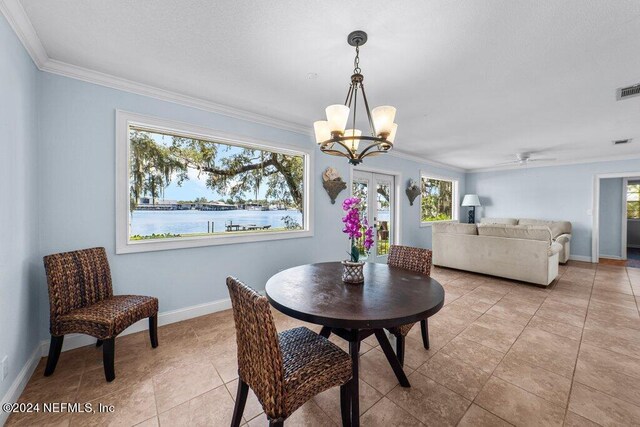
(355, 226)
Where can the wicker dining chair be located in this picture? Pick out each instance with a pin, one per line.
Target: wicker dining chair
(81, 301)
(418, 260)
(283, 369)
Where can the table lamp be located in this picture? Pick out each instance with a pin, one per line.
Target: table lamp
(471, 200)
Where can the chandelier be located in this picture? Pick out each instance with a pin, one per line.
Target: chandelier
(331, 135)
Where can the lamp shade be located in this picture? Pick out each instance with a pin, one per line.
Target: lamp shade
(353, 133)
(322, 131)
(471, 200)
(383, 118)
(337, 116)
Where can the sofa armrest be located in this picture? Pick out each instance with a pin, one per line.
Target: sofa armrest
(554, 249)
(563, 238)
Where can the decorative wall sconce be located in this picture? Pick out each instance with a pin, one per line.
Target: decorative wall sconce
(412, 191)
(333, 183)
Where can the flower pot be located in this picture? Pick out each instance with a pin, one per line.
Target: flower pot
(352, 272)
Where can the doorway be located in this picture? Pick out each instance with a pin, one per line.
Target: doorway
(617, 219)
(377, 192)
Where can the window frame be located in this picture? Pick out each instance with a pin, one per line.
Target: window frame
(455, 208)
(124, 120)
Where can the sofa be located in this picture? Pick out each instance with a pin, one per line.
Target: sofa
(560, 231)
(520, 252)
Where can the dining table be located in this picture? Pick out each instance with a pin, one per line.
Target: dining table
(388, 297)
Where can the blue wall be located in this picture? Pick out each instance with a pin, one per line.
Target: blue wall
(77, 175)
(557, 192)
(19, 335)
(610, 221)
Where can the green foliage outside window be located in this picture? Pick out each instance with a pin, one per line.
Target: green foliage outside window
(437, 200)
(633, 201)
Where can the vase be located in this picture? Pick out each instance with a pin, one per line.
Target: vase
(352, 272)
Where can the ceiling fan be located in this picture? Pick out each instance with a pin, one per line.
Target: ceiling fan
(523, 159)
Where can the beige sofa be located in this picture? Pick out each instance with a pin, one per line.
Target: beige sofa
(519, 252)
(560, 231)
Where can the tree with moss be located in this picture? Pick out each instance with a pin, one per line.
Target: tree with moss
(153, 166)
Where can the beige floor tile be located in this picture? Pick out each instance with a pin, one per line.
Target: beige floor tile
(561, 316)
(151, 422)
(602, 408)
(128, 373)
(308, 415)
(38, 419)
(574, 420)
(613, 330)
(604, 340)
(558, 328)
(477, 355)
(214, 407)
(545, 384)
(613, 373)
(183, 384)
(456, 375)
(414, 352)
(617, 320)
(329, 400)
(614, 298)
(252, 407)
(386, 413)
(507, 312)
(612, 286)
(429, 402)
(518, 406)
(546, 350)
(376, 371)
(478, 417)
(606, 308)
(493, 332)
(131, 405)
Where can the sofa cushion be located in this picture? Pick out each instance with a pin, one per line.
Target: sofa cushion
(557, 227)
(508, 221)
(528, 232)
(455, 228)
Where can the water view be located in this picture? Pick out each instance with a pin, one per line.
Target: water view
(145, 223)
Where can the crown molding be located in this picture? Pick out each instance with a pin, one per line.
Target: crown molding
(80, 73)
(557, 164)
(21, 25)
(422, 160)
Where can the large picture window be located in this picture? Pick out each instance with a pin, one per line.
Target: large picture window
(186, 186)
(633, 201)
(438, 200)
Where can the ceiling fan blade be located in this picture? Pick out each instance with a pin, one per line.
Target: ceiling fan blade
(512, 162)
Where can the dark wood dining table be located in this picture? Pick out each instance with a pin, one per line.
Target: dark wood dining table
(389, 297)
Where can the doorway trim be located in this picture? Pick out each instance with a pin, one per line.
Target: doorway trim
(397, 178)
(595, 227)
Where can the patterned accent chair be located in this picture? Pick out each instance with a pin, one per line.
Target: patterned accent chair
(418, 260)
(81, 301)
(283, 369)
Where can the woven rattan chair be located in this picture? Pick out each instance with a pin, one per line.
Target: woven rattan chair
(283, 369)
(81, 301)
(418, 260)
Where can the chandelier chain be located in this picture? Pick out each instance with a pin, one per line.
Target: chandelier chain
(356, 61)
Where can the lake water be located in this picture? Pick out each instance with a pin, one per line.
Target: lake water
(183, 222)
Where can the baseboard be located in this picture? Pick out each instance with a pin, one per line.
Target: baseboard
(611, 257)
(14, 392)
(582, 258)
(73, 341)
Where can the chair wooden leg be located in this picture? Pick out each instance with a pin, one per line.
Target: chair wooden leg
(153, 330)
(241, 400)
(54, 354)
(345, 404)
(325, 331)
(276, 423)
(108, 358)
(400, 349)
(98, 343)
(424, 326)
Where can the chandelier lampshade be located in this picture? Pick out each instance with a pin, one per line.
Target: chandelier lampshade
(332, 135)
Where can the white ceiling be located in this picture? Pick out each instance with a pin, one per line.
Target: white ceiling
(474, 81)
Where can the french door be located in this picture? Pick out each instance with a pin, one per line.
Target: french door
(377, 193)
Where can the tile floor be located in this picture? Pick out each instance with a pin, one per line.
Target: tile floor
(502, 353)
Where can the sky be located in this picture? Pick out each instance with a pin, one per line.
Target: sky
(195, 186)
